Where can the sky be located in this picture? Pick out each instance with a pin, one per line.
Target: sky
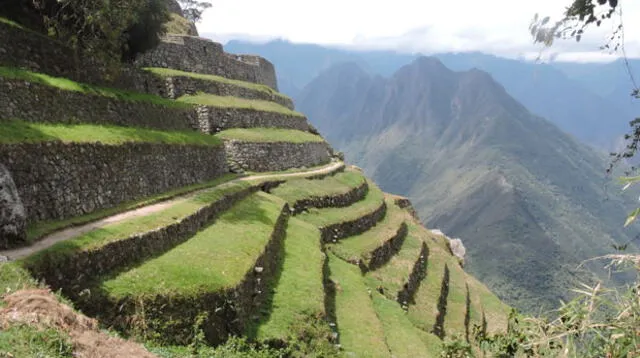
(498, 27)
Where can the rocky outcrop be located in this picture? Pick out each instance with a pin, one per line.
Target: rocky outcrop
(12, 214)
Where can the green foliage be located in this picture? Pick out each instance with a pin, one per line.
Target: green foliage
(269, 135)
(193, 9)
(21, 340)
(236, 102)
(456, 347)
(235, 347)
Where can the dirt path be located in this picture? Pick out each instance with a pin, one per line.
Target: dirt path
(75, 231)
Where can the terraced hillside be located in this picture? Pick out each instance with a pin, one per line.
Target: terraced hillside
(191, 206)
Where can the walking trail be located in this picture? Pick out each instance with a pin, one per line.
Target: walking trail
(76, 231)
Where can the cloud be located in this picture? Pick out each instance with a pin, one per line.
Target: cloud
(499, 27)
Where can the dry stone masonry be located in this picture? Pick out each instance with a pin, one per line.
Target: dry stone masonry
(12, 214)
(264, 157)
(57, 181)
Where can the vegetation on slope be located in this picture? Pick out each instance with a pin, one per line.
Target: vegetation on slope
(269, 135)
(340, 183)
(17, 131)
(237, 102)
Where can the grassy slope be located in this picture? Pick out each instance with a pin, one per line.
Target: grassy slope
(21, 340)
(395, 273)
(361, 332)
(236, 102)
(402, 337)
(337, 184)
(68, 85)
(495, 311)
(124, 229)
(329, 216)
(167, 72)
(217, 257)
(269, 135)
(359, 246)
(299, 294)
(16, 131)
(456, 301)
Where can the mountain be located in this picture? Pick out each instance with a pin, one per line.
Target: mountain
(557, 94)
(529, 201)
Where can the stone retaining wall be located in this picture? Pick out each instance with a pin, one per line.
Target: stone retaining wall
(213, 119)
(177, 86)
(229, 311)
(335, 232)
(380, 256)
(332, 201)
(267, 157)
(196, 54)
(419, 272)
(405, 203)
(57, 181)
(39, 103)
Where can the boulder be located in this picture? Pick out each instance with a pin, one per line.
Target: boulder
(458, 249)
(12, 214)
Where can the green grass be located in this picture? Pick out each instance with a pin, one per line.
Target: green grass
(395, 273)
(361, 332)
(360, 246)
(237, 102)
(21, 340)
(122, 230)
(299, 295)
(178, 25)
(39, 230)
(340, 183)
(6, 21)
(13, 277)
(402, 337)
(330, 216)
(68, 85)
(167, 72)
(269, 135)
(294, 170)
(496, 312)
(456, 301)
(217, 257)
(17, 131)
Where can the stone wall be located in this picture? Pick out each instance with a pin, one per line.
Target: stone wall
(267, 157)
(12, 216)
(57, 181)
(419, 272)
(332, 201)
(213, 119)
(176, 86)
(40, 103)
(335, 232)
(195, 54)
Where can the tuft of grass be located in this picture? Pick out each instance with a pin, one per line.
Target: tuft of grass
(22, 340)
(299, 294)
(402, 337)
(68, 85)
(17, 131)
(122, 230)
(330, 216)
(269, 135)
(39, 230)
(168, 72)
(216, 258)
(340, 183)
(396, 272)
(6, 21)
(361, 332)
(237, 102)
(360, 246)
(13, 278)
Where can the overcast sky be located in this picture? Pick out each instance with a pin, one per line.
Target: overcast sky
(498, 27)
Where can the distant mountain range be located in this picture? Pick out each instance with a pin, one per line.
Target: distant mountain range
(588, 101)
(529, 201)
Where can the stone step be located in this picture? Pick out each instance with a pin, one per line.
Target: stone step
(361, 334)
(339, 223)
(376, 246)
(339, 190)
(223, 274)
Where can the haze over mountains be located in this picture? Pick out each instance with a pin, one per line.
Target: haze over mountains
(588, 101)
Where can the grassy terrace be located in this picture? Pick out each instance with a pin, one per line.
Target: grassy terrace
(236, 102)
(361, 332)
(395, 273)
(495, 311)
(167, 72)
(217, 257)
(456, 301)
(299, 294)
(68, 85)
(423, 313)
(360, 246)
(269, 135)
(330, 216)
(341, 183)
(402, 337)
(122, 230)
(17, 131)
